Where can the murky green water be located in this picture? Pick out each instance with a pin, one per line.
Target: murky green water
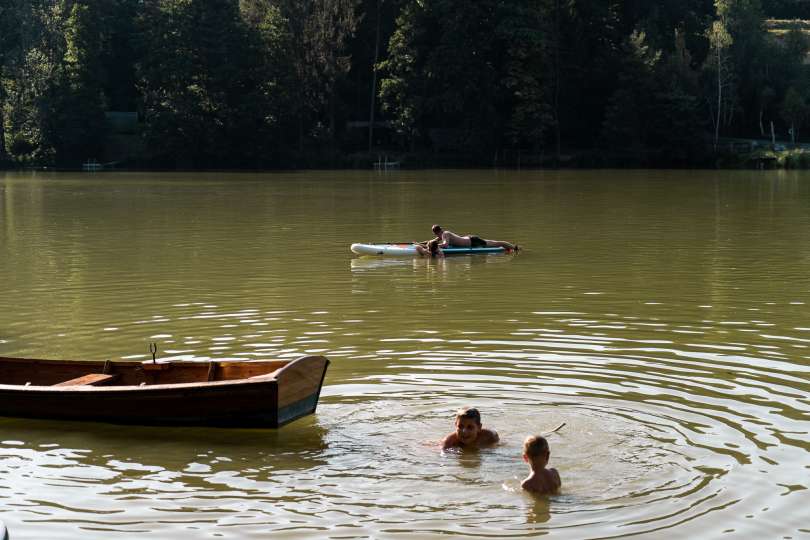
(662, 315)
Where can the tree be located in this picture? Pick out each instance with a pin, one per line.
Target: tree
(720, 40)
(402, 87)
(677, 124)
(530, 32)
(10, 38)
(76, 126)
(470, 74)
(318, 32)
(795, 111)
(631, 107)
(203, 86)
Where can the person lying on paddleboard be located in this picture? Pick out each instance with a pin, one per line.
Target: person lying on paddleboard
(469, 433)
(451, 239)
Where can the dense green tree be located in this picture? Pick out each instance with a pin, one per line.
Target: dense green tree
(318, 32)
(205, 100)
(76, 127)
(120, 54)
(359, 93)
(10, 42)
(57, 103)
(35, 73)
(631, 108)
(678, 124)
(746, 26)
(443, 73)
(259, 83)
(530, 31)
(795, 111)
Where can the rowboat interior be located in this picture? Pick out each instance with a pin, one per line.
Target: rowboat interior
(67, 373)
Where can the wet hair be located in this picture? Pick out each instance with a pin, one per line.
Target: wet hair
(468, 412)
(535, 446)
(436, 229)
(433, 247)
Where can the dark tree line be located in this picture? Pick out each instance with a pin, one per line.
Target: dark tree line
(280, 83)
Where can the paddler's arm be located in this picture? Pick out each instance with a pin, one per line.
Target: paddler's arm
(443, 241)
(424, 243)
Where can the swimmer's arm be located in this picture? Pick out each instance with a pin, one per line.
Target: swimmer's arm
(451, 441)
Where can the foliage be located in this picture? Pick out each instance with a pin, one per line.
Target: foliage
(795, 111)
(277, 83)
(318, 31)
(206, 99)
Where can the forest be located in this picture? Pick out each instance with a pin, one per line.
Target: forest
(264, 84)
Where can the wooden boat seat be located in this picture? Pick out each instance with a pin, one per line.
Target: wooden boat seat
(91, 379)
(263, 375)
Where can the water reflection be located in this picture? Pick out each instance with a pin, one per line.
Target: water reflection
(99, 477)
(539, 510)
(443, 264)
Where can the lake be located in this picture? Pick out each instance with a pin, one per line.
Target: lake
(664, 316)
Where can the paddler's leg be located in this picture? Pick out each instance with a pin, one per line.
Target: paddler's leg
(501, 244)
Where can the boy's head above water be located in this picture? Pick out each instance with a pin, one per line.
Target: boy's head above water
(469, 433)
(535, 450)
(468, 424)
(468, 412)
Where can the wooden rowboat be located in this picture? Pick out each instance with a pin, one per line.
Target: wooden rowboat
(258, 393)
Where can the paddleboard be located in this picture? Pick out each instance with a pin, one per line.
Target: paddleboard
(409, 250)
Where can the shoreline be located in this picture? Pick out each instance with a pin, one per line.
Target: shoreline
(750, 156)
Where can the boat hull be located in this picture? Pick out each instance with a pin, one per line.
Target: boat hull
(266, 400)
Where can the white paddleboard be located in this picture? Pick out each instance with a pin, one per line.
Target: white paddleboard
(396, 250)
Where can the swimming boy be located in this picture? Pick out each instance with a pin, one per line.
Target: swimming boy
(469, 433)
(432, 249)
(541, 480)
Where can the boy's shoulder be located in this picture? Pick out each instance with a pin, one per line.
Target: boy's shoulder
(450, 441)
(552, 480)
(532, 483)
(545, 483)
(488, 436)
(555, 477)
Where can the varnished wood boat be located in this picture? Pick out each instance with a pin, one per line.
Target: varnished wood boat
(258, 393)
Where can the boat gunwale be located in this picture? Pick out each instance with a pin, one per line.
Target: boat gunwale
(261, 379)
(258, 379)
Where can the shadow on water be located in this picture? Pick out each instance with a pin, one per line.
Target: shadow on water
(300, 445)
